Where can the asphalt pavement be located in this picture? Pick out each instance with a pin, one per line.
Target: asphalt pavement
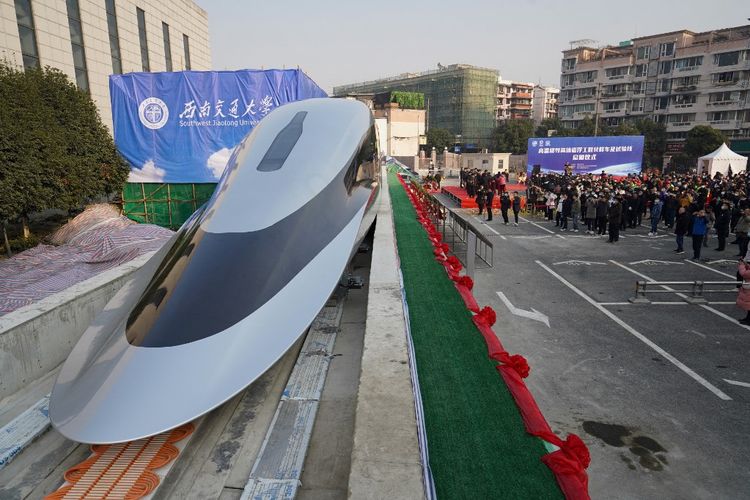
(660, 392)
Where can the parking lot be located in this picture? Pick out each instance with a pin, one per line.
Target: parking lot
(660, 391)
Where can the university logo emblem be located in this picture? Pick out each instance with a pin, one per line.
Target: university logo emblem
(153, 113)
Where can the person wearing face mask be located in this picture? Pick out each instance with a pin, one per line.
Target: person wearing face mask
(723, 216)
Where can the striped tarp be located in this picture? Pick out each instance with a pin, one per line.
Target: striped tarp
(95, 241)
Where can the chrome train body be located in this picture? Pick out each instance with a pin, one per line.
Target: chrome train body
(236, 286)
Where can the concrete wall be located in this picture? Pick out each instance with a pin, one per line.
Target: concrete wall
(486, 161)
(385, 456)
(37, 338)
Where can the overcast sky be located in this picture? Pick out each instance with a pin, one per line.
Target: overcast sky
(351, 41)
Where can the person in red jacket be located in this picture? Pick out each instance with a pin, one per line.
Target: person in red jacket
(501, 181)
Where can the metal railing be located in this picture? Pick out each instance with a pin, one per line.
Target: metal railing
(694, 294)
(466, 241)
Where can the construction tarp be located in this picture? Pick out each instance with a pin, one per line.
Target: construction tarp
(95, 241)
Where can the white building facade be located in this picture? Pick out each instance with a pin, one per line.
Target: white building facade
(92, 39)
(544, 103)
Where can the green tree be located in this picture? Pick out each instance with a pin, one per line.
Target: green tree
(439, 138)
(703, 139)
(654, 141)
(551, 123)
(512, 136)
(626, 128)
(55, 152)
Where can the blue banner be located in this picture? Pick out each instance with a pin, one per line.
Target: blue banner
(616, 155)
(182, 127)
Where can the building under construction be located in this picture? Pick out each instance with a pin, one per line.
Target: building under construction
(460, 98)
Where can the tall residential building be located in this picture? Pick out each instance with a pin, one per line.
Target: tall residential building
(91, 39)
(514, 100)
(544, 103)
(680, 78)
(460, 98)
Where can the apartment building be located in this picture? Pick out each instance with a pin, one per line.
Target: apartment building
(514, 100)
(544, 103)
(91, 39)
(680, 78)
(460, 98)
(525, 100)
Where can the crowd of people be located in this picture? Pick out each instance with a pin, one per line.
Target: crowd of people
(483, 187)
(687, 205)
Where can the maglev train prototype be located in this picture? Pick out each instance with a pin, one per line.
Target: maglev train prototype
(236, 286)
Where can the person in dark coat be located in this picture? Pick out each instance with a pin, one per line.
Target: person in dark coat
(489, 189)
(567, 205)
(480, 199)
(614, 216)
(723, 217)
(681, 228)
(516, 202)
(601, 215)
(505, 205)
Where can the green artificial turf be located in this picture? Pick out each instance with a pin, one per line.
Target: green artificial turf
(477, 442)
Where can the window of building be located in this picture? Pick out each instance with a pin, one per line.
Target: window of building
(586, 76)
(726, 77)
(686, 82)
(27, 34)
(727, 58)
(665, 67)
(665, 85)
(144, 40)
(682, 118)
(677, 135)
(688, 63)
(643, 52)
(666, 49)
(723, 96)
(569, 64)
(721, 116)
(637, 105)
(641, 70)
(167, 46)
(683, 99)
(76, 42)
(661, 103)
(186, 44)
(639, 87)
(114, 37)
(613, 106)
(500, 165)
(618, 72)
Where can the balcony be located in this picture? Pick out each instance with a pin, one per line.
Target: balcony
(521, 95)
(680, 124)
(734, 102)
(614, 110)
(681, 106)
(686, 88)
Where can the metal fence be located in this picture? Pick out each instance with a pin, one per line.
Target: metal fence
(694, 294)
(466, 241)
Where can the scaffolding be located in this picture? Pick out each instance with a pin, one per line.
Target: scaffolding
(166, 205)
(460, 98)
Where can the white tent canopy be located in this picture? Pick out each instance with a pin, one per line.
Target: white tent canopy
(720, 161)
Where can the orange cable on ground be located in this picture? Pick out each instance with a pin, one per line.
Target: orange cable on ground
(122, 471)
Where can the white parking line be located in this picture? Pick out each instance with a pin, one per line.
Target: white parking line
(682, 295)
(485, 223)
(537, 225)
(710, 269)
(679, 364)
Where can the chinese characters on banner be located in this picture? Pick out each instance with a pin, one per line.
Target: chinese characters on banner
(616, 155)
(182, 127)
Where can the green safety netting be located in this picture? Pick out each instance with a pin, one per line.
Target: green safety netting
(166, 205)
